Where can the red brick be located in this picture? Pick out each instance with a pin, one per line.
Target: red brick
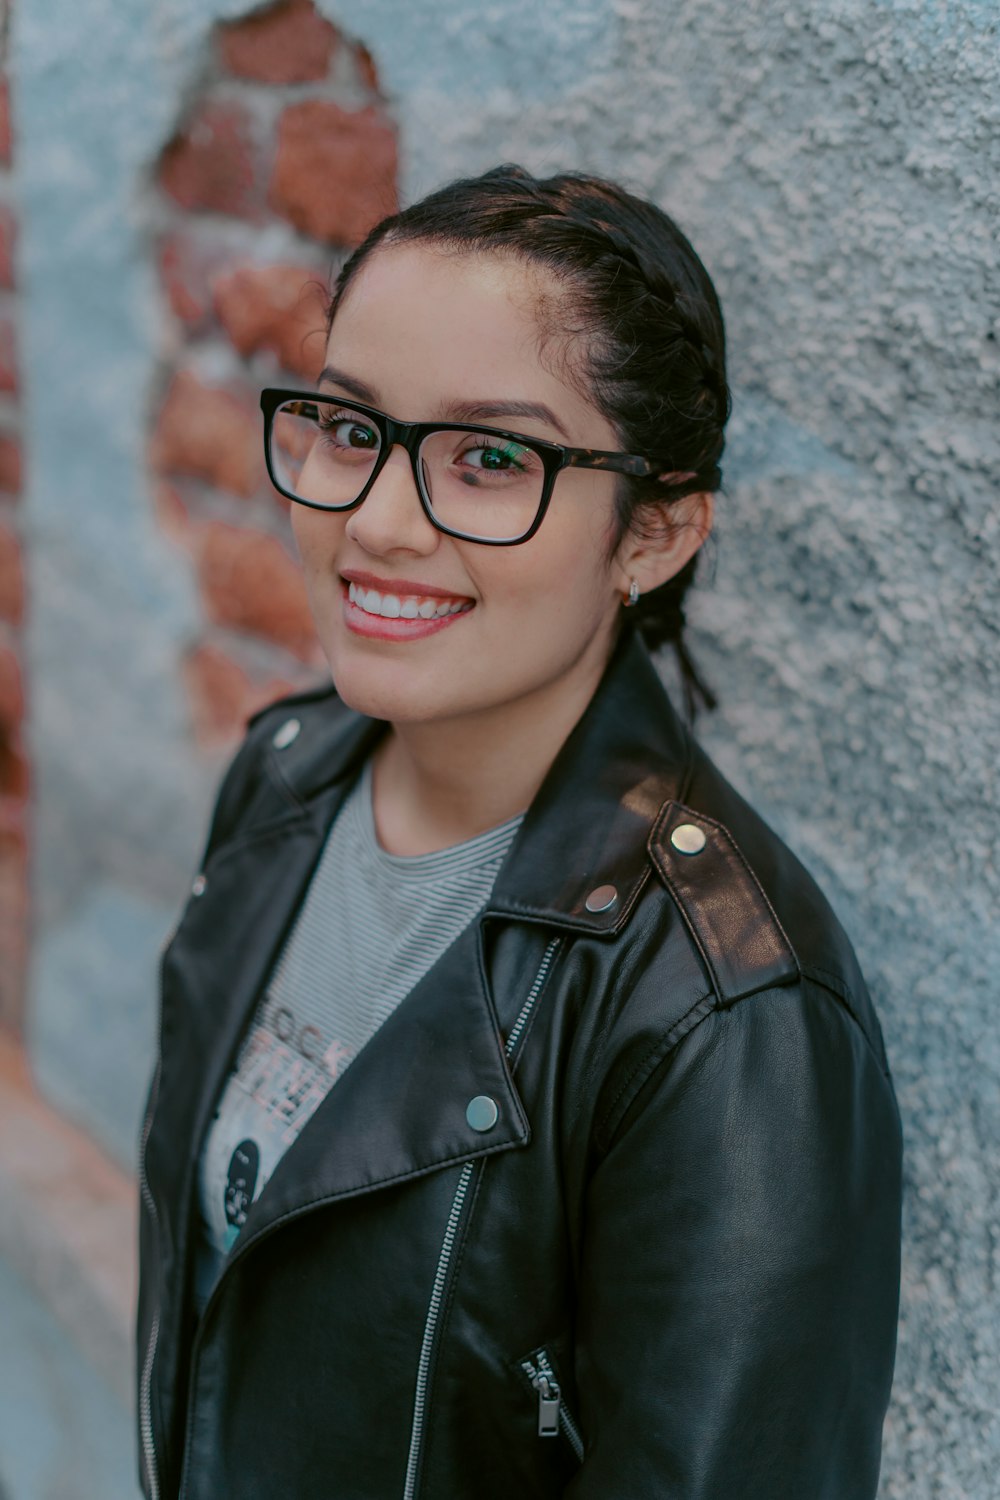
(222, 696)
(11, 691)
(365, 65)
(207, 433)
(249, 582)
(185, 269)
(13, 767)
(172, 513)
(6, 136)
(9, 379)
(335, 171)
(281, 308)
(14, 904)
(287, 43)
(14, 779)
(11, 578)
(8, 245)
(217, 690)
(11, 466)
(211, 165)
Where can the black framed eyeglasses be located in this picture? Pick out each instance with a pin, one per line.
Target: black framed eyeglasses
(480, 484)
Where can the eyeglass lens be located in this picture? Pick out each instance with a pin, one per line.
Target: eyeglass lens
(480, 484)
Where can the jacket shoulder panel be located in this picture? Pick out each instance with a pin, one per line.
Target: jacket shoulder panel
(727, 912)
(285, 743)
(799, 910)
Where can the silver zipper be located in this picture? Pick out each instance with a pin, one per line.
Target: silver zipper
(448, 1245)
(146, 1411)
(553, 1414)
(549, 1405)
(533, 994)
(426, 1347)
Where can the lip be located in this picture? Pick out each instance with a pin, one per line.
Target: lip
(399, 585)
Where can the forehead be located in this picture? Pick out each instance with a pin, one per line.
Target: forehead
(425, 324)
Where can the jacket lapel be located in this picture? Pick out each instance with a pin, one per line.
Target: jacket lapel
(214, 970)
(399, 1109)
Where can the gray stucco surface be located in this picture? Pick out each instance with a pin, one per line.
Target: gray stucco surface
(838, 166)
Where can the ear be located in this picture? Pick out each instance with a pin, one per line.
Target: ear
(671, 535)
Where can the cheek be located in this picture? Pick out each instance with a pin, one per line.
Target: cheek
(556, 593)
(570, 566)
(317, 536)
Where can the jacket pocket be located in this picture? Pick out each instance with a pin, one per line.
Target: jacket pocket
(555, 1420)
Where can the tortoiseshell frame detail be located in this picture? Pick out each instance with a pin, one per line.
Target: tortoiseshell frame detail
(409, 435)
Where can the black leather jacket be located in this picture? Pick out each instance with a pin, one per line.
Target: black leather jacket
(669, 1268)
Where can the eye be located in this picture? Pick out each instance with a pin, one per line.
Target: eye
(495, 456)
(348, 430)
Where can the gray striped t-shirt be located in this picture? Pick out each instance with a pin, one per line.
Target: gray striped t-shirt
(370, 927)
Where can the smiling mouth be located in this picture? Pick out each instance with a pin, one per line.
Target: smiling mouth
(405, 606)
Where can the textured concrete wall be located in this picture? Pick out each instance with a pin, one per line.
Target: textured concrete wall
(837, 164)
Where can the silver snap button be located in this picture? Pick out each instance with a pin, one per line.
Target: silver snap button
(688, 838)
(482, 1112)
(288, 732)
(198, 885)
(602, 899)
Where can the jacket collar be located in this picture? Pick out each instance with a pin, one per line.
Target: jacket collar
(589, 824)
(590, 821)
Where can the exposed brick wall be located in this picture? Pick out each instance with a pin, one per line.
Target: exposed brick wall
(284, 158)
(14, 778)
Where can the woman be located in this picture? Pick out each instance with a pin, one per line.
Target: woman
(522, 1125)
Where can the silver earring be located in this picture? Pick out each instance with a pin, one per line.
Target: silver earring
(632, 597)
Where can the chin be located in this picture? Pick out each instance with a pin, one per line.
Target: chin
(387, 690)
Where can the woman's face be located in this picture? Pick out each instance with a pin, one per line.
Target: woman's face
(428, 335)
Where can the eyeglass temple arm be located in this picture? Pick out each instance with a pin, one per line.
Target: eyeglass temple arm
(618, 463)
(629, 463)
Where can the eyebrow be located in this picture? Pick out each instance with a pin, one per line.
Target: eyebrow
(349, 384)
(476, 411)
(458, 411)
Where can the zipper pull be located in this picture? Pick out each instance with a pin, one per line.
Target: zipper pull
(549, 1401)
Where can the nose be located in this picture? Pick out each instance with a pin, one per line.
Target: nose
(391, 518)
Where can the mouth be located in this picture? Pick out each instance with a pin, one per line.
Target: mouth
(405, 606)
(400, 615)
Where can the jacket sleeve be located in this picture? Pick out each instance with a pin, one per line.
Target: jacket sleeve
(740, 1266)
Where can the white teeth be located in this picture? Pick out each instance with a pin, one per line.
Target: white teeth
(408, 607)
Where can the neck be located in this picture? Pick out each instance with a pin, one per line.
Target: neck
(438, 784)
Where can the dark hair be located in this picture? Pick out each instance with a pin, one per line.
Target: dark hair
(655, 338)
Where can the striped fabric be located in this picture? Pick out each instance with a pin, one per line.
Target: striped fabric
(373, 923)
(370, 927)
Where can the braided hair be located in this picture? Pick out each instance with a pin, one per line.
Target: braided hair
(652, 329)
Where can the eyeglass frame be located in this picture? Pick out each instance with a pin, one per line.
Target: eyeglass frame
(410, 435)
